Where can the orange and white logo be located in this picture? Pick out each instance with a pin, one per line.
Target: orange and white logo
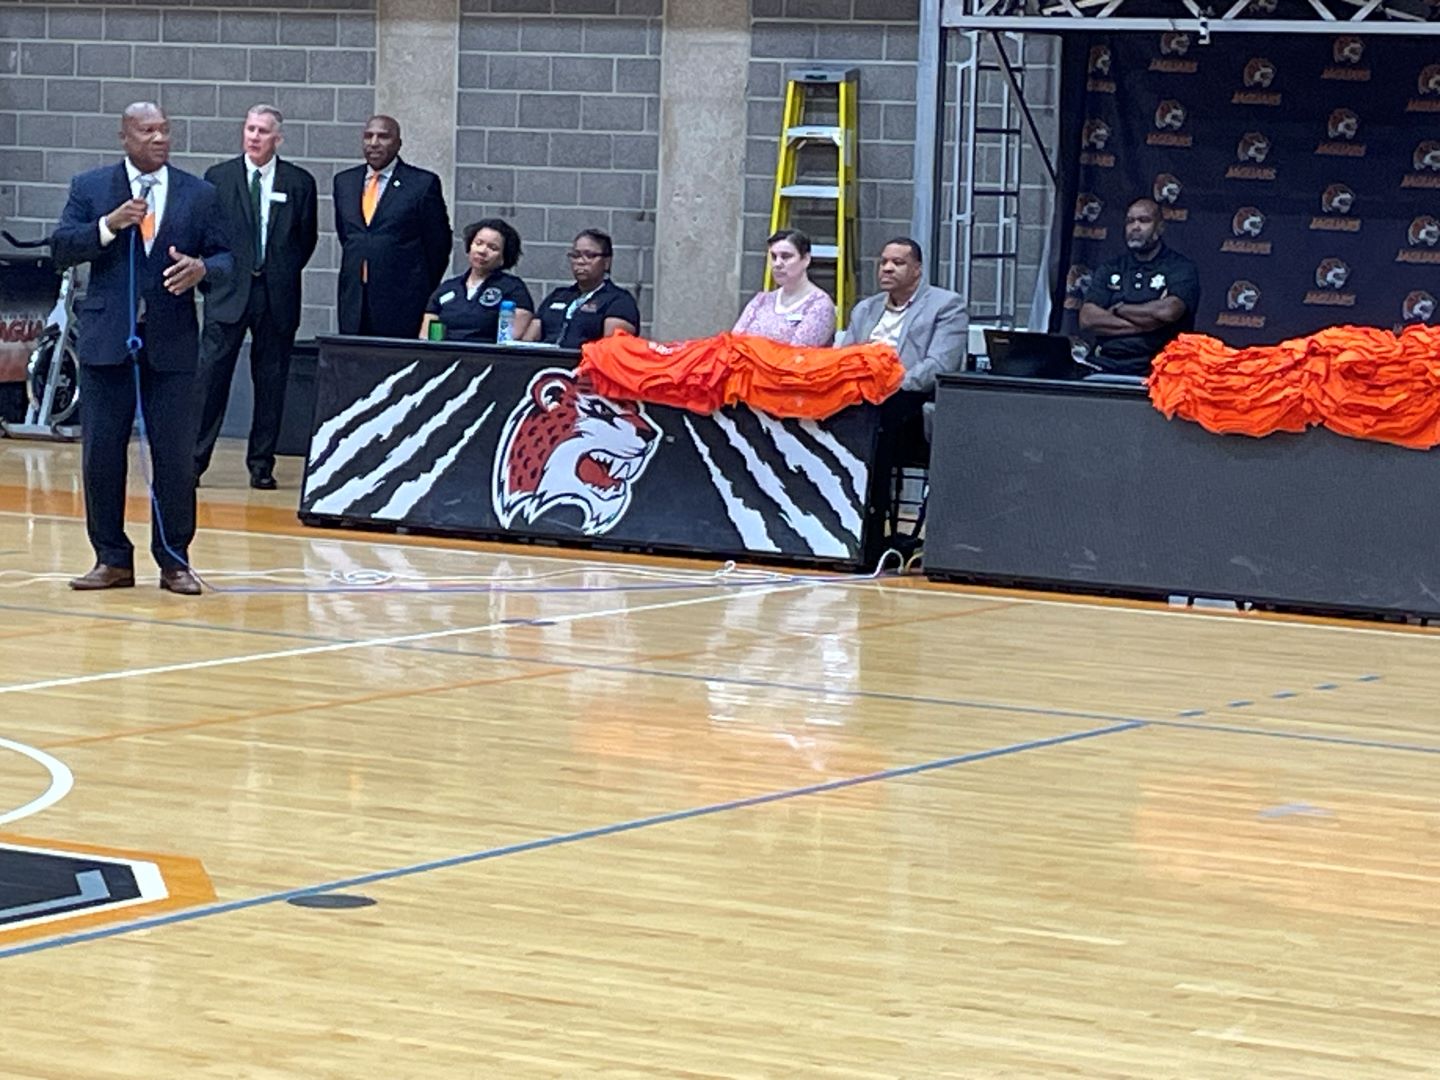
(1427, 156)
(1100, 60)
(1243, 296)
(1349, 50)
(1259, 72)
(1332, 273)
(1344, 124)
(1167, 189)
(1169, 115)
(1419, 306)
(1253, 146)
(1248, 221)
(1174, 44)
(1095, 135)
(1429, 81)
(1337, 199)
(1088, 207)
(1424, 231)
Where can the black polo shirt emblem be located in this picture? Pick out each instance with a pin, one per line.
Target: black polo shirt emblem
(1157, 281)
(490, 297)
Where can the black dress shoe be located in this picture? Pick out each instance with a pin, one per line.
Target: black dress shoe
(179, 580)
(104, 577)
(262, 481)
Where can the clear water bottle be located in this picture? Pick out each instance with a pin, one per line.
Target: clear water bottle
(505, 329)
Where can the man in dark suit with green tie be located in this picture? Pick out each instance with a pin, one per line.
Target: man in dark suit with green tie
(270, 208)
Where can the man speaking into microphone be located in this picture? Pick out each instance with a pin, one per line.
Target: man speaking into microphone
(151, 233)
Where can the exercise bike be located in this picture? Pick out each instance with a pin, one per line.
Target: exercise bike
(52, 380)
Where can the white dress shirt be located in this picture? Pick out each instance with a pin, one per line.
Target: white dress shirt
(385, 175)
(161, 177)
(267, 193)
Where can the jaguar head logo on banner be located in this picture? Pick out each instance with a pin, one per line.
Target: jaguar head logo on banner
(1259, 72)
(1419, 306)
(1424, 230)
(1169, 115)
(566, 446)
(1077, 284)
(1338, 199)
(1348, 52)
(1174, 44)
(1243, 296)
(1427, 156)
(1253, 147)
(1248, 221)
(1095, 135)
(1427, 87)
(1099, 60)
(1167, 189)
(1344, 124)
(1332, 273)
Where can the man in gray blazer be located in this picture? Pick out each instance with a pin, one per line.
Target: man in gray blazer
(925, 324)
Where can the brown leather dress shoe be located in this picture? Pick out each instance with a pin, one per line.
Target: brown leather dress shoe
(179, 580)
(104, 577)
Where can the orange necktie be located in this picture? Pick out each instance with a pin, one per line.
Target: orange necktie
(371, 198)
(147, 227)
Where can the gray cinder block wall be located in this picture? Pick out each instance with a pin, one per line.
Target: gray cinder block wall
(558, 129)
(67, 70)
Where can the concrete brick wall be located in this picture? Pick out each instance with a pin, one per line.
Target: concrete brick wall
(67, 70)
(558, 129)
(880, 38)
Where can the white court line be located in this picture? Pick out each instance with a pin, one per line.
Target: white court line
(375, 643)
(61, 781)
(522, 550)
(1123, 609)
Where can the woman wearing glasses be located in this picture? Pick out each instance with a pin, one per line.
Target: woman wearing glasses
(469, 305)
(798, 312)
(591, 309)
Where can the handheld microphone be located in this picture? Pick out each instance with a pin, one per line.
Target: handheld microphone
(147, 185)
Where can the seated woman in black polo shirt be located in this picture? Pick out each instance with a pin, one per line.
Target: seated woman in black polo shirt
(594, 307)
(469, 305)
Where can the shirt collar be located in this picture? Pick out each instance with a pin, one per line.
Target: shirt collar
(384, 173)
(266, 171)
(133, 174)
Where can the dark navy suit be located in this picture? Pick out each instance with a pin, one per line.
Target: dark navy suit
(167, 359)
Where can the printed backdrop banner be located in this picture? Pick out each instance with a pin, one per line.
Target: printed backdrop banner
(506, 443)
(1300, 173)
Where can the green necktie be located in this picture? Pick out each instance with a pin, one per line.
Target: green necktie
(255, 209)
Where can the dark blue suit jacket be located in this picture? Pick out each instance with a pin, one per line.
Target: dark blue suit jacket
(192, 223)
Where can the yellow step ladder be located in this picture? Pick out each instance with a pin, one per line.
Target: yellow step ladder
(832, 191)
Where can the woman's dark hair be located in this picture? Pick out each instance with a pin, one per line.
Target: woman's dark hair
(601, 237)
(795, 237)
(507, 233)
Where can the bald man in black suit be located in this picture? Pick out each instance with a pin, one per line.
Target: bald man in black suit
(395, 241)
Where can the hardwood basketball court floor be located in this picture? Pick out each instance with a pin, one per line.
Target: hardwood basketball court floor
(608, 817)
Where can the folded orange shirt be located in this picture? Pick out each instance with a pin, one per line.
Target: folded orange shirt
(1358, 381)
(777, 379)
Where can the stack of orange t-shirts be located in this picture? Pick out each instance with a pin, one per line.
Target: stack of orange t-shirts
(780, 380)
(1233, 391)
(1357, 381)
(1378, 386)
(793, 380)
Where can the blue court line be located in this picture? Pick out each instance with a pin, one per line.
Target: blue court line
(560, 839)
(808, 688)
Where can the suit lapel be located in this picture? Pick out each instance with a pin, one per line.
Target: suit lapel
(911, 314)
(242, 187)
(279, 211)
(174, 202)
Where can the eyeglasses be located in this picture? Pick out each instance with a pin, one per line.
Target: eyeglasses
(584, 256)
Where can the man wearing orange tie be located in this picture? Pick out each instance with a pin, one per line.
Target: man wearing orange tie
(394, 232)
(151, 233)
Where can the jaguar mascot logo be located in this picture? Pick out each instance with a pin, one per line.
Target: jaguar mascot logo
(1167, 189)
(1424, 230)
(1095, 135)
(1077, 281)
(1259, 72)
(1344, 124)
(1169, 115)
(1253, 147)
(1338, 199)
(1088, 207)
(1419, 306)
(1427, 156)
(1100, 60)
(1349, 50)
(1243, 296)
(1429, 80)
(567, 446)
(1332, 274)
(1174, 44)
(1248, 221)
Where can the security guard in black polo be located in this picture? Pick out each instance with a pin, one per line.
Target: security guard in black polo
(468, 306)
(1141, 301)
(594, 307)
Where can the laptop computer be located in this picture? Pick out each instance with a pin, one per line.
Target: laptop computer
(1027, 354)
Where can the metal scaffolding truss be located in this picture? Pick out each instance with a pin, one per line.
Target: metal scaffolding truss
(1407, 17)
(983, 216)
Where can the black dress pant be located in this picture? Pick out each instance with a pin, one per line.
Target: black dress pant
(168, 399)
(270, 348)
